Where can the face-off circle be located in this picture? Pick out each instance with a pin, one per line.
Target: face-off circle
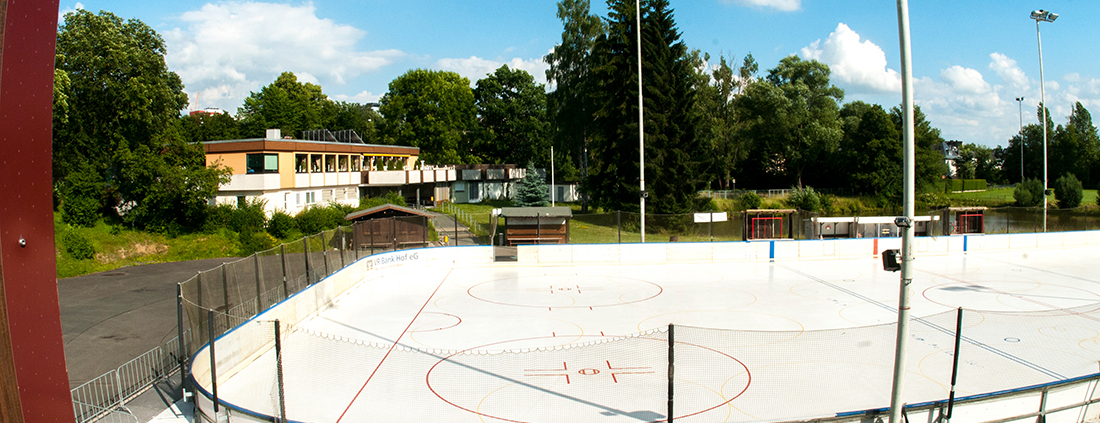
(583, 380)
(558, 291)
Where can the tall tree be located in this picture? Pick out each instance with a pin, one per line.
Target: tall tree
(120, 93)
(792, 118)
(361, 118)
(569, 106)
(870, 151)
(930, 164)
(512, 111)
(1075, 147)
(206, 127)
(717, 102)
(432, 110)
(288, 105)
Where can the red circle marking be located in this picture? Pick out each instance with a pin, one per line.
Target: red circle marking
(660, 290)
(458, 322)
(428, 382)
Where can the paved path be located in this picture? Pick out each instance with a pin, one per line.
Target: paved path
(445, 225)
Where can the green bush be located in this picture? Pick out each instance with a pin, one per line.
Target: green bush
(974, 184)
(282, 226)
(81, 197)
(804, 199)
(77, 245)
(1028, 193)
(750, 200)
(1068, 191)
(252, 241)
(392, 197)
(248, 216)
(319, 218)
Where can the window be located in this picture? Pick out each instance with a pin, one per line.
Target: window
(262, 163)
(342, 163)
(355, 163)
(310, 198)
(330, 163)
(460, 186)
(315, 163)
(301, 163)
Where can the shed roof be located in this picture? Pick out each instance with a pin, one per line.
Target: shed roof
(536, 211)
(385, 210)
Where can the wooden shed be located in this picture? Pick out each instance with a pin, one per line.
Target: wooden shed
(536, 225)
(389, 226)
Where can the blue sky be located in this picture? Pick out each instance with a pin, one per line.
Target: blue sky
(970, 59)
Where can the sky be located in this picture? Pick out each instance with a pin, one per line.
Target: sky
(971, 60)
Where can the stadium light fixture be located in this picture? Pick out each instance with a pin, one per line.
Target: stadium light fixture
(1043, 16)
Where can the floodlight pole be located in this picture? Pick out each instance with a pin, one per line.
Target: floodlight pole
(896, 404)
(1043, 16)
(641, 119)
(552, 176)
(1020, 100)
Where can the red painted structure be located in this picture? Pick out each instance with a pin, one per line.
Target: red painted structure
(32, 353)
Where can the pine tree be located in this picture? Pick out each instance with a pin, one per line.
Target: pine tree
(677, 164)
(532, 191)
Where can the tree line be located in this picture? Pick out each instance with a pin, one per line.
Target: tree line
(122, 148)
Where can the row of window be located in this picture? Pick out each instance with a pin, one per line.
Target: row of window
(319, 163)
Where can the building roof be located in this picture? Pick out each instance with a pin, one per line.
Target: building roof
(385, 210)
(291, 145)
(536, 211)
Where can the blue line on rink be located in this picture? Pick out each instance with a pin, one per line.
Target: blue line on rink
(771, 250)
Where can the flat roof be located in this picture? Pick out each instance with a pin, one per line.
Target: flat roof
(292, 145)
(535, 211)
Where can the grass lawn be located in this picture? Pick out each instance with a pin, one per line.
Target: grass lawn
(116, 247)
(1002, 197)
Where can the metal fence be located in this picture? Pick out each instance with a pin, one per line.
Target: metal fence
(104, 398)
(237, 291)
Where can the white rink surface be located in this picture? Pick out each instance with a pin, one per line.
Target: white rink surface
(462, 336)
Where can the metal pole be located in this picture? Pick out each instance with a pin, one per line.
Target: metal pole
(179, 335)
(955, 364)
(456, 227)
(394, 221)
(259, 282)
(1043, 104)
(671, 368)
(282, 257)
(641, 119)
(213, 361)
(552, 176)
(225, 294)
(279, 371)
(896, 403)
(305, 245)
(1020, 101)
(619, 224)
(324, 254)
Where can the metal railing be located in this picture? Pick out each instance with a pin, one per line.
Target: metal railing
(104, 398)
(464, 218)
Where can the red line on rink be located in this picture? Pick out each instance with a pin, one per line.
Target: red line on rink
(394, 345)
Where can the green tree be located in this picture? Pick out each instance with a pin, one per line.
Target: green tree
(83, 193)
(1068, 191)
(717, 102)
(1028, 193)
(792, 118)
(532, 191)
(361, 118)
(168, 184)
(570, 106)
(677, 162)
(513, 124)
(120, 94)
(1075, 147)
(288, 105)
(201, 127)
(870, 151)
(930, 165)
(432, 110)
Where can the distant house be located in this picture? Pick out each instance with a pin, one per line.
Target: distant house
(482, 182)
(950, 151)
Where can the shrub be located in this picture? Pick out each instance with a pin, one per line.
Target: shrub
(253, 241)
(77, 245)
(248, 216)
(1028, 193)
(1068, 191)
(750, 200)
(81, 197)
(804, 199)
(282, 225)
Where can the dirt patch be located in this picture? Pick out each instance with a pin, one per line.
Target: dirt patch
(140, 249)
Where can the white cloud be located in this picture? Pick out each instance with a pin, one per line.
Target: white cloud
(475, 68)
(781, 5)
(361, 98)
(1009, 72)
(229, 49)
(858, 66)
(62, 12)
